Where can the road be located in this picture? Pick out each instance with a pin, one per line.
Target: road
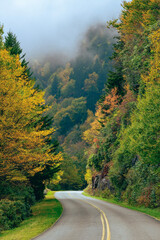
(85, 218)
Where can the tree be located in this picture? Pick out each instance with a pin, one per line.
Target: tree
(13, 46)
(71, 178)
(144, 130)
(1, 37)
(115, 77)
(145, 122)
(70, 115)
(24, 149)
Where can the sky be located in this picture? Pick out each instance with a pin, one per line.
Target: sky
(48, 26)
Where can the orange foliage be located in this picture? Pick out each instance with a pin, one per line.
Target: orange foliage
(128, 98)
(106, 108)
(111, 102)
(90, 135)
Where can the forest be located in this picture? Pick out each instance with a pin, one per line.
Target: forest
(88, 122)
(72, 90)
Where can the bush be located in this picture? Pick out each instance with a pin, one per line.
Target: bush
(11, 213)
(15, 206)
(17, 191)
(106, 193)
(3, 221)
(89, 190)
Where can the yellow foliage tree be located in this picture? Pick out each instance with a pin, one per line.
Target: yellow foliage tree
(88, 176)
(23, 149)
(137, 16)
(154, 74)
(104, 109)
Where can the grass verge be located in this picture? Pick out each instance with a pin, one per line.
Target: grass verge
(45, 213)
(151, 212)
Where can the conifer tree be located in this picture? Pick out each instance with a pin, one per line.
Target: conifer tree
(13, 46)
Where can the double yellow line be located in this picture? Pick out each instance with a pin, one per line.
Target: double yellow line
(104, 220)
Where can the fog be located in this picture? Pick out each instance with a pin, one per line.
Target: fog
(51, 26)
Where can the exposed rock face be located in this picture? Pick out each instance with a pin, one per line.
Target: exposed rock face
(104, 183)
(101, 180)
(95, 181)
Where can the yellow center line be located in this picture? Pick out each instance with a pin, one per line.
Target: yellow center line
(103, 227)
(103, 215)
(108, 229)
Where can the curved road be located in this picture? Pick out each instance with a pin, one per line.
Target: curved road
(85, 218)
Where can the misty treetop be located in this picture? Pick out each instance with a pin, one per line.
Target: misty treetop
(73, 88)
(89, 67)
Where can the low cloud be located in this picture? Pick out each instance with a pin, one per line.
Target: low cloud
(48, 26)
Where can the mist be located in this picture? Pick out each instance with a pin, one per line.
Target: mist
(46, 27)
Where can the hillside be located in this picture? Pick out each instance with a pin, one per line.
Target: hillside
(123, 157)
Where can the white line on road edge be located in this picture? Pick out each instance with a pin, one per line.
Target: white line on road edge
(103, 215)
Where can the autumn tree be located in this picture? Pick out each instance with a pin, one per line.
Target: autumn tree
(24, 149)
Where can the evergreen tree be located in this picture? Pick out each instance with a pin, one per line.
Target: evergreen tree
(13, 46)
(1, 38)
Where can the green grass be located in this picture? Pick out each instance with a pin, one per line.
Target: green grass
(45, 213)
(151, 212)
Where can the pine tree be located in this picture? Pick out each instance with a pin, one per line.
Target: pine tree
(1, 36)
(13, 46)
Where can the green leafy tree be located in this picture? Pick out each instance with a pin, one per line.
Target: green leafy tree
(71, 178)
(145, 128)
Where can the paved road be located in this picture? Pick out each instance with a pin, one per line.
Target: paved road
(85, 218)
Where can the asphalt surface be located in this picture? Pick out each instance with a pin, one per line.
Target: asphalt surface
(85, 218)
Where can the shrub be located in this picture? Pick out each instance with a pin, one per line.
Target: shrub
(17, 191)
(11, 213)
(15, 204)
